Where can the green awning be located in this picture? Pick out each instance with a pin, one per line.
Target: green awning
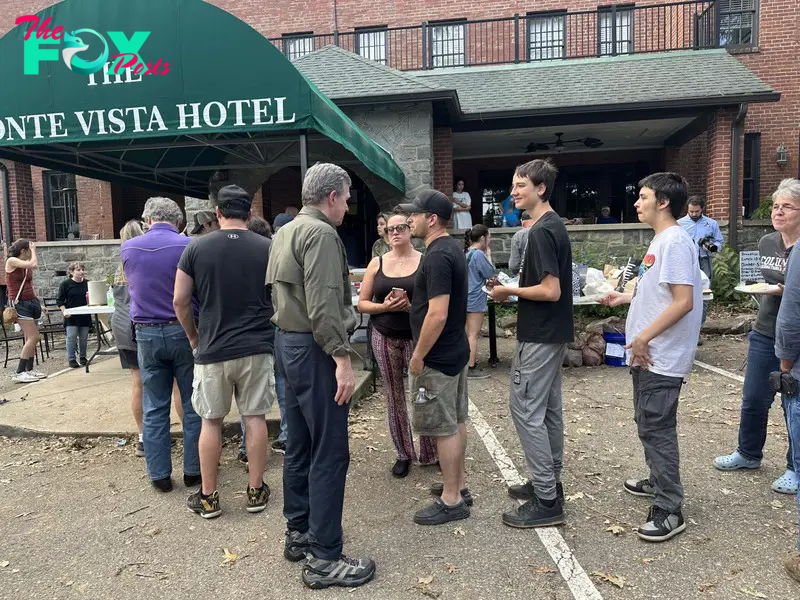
(229, 99)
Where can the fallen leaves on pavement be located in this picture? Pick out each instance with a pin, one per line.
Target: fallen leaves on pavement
(751, 593)
(459, 531)
(617, 580)
(542, 570)
(616, 529)
(424, 586)
(573, 497)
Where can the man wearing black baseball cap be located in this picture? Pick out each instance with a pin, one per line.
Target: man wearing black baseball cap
(438, 367)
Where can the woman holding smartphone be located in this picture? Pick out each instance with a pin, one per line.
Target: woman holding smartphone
(386, 296)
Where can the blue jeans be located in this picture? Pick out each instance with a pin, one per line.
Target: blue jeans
(792, 407)
(280, 392)
(705, 267)
(757, 398)
(76, 337)
(164, 355)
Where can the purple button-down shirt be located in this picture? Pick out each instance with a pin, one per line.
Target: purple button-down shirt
(150, 262)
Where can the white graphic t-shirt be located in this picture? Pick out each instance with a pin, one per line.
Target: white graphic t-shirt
(670, 259)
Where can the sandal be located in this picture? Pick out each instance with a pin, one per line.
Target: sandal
(734, 461)
(786, 483)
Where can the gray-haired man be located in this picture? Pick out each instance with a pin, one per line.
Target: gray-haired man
(314, 315)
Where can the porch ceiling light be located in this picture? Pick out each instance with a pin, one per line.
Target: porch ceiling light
(782, 156)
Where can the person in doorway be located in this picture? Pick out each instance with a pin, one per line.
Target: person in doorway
(233, 345)
(707, 236)
(462, 207)
(606, 218)
(757, 394)
(311, 295)
(292, 211)
(385, 295)
(545, 327)
(438, 366)
(72, 293)
(480, 269)
(511, 214)
(21, 262)
(205, 221)
(150, 262)
(381, 245)
(518, 243)
(281, 220)
(661, 334)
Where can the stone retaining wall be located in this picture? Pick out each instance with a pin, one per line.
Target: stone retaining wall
(100, 258)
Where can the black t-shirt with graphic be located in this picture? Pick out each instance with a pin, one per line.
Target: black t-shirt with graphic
(443, 271)
(229, 267)
(773, 267)
(548, 252)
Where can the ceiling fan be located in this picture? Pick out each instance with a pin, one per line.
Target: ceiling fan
(560, 144)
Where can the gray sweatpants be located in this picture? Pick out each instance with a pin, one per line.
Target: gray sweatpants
(536, 408)
(655, 404)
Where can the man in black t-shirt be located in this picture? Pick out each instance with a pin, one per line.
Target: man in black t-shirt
(441, 352)
(544, 328)
(233, 347)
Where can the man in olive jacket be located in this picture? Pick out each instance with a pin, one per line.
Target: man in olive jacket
(314, 315)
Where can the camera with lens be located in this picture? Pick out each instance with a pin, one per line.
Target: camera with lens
(707, 244)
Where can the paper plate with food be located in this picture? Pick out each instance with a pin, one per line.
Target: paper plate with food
(757, 288)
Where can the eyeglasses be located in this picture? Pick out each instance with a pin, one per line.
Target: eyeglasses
(784, 208)
(398, 228)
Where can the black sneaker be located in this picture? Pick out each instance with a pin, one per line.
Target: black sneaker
(242, 458)
(401, 468)
(74, 364)
(139, 448)
(439, 513)
(661, 525)
(534, 514)
(207, 507)
(279, 447)
(296, 546)
(319, 573)
(477, 373)
(162, 485)
(526, 491)
(257, 498)
(83, 361)
(438, 488)
(642, 487)
(192, 480)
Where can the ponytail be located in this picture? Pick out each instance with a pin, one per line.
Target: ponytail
(467, 242)
(473, 235)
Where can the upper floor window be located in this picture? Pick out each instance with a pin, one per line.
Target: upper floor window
(296, 45)
(371, 44)
(447, 44)
(738, 22)
(620, 23)
(61, 205)
(546, 36)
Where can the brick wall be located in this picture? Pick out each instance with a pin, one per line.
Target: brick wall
(95, 211)
(20, 191)
(690, 161)
(443, 159)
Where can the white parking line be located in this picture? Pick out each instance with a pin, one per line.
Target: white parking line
(719, 371)
(580, 585)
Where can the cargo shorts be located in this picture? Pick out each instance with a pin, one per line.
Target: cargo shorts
(250, 379)
(447, 406)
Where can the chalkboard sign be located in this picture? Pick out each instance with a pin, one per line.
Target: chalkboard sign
(750, 267)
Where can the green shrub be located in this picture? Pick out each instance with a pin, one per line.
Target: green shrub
(726, 276)
(764, 210)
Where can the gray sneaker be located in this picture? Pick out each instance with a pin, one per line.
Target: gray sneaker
(661, 525)
(642, 487)
(319, 573)
(477, 373)
(296, 546)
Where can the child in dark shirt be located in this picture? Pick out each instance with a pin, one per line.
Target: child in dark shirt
(72, 294)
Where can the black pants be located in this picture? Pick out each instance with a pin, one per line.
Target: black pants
(317, 449)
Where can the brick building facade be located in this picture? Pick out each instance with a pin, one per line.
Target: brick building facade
(760, 34)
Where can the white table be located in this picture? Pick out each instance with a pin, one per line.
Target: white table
(95, 312)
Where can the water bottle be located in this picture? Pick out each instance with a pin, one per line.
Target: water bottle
(110, 297)
(422, 396)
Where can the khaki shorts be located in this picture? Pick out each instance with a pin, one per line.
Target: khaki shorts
(447, 406)
(250, 379)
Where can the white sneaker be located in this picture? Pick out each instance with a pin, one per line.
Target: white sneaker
(24, 377)
(38, 374)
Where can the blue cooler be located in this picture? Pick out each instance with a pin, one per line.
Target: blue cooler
(615, 349)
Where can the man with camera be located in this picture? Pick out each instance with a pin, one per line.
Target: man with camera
(706, 234)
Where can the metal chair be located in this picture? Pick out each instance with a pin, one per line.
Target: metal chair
(8, 338)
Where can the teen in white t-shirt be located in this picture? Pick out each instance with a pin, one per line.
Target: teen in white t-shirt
(661, 334)
(462, 203)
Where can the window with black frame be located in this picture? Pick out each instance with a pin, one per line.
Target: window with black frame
(61, 205)
(546, 35)
(296, 45)
(738, 22)
(371, 43)
(751, 168)
(619, 22)
(447, 44)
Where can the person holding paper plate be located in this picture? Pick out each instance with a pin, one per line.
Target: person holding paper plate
(757, 396)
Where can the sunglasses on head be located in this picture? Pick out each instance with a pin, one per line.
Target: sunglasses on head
(398, 228)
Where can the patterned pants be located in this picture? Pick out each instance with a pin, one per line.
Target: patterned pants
(392, 356)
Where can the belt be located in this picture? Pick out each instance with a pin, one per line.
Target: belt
(162, 324)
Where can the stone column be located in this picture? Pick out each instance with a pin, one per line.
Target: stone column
(21, 200)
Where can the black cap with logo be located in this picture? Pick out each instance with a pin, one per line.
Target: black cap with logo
(430, 201)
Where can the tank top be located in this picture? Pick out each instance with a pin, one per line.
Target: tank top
(14, 280)
(391, 324)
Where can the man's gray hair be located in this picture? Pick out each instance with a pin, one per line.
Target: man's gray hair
(321, 180)
(788, 188)
(162, 210)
